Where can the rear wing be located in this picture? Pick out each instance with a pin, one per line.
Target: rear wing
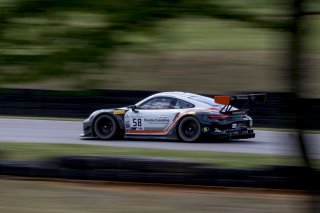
(243, 100)
(231, 100)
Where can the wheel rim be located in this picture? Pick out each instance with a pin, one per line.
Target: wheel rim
(189, 130)
(105, 127)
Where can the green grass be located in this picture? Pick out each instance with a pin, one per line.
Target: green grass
(39, 197)
(12, 150)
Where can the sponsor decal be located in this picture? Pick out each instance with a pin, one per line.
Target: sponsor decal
(157, 121)
(126, 120)
(158, 132)
(238, 112)
(205, 129)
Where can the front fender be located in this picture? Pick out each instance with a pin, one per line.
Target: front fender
(117, 114)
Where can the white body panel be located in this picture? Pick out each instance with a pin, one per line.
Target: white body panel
(161, 121)
(151, 121)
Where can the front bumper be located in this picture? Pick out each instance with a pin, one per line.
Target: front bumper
(87, 129)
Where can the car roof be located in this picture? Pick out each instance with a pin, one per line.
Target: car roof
(176, 94)
(181, 95)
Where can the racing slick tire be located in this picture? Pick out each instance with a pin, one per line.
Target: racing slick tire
(189, 129)
(105, 127)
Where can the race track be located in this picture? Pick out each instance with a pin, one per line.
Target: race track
(51, 131)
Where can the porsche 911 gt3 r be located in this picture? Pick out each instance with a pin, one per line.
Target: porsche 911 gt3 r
(173, 115)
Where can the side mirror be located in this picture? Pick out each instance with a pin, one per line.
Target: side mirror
(133, 107)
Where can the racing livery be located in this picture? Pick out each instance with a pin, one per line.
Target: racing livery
(174, 115)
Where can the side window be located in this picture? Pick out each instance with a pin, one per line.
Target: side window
(180, 104)
(158, 103)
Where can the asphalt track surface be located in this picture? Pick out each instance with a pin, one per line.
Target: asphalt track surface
(68, 132)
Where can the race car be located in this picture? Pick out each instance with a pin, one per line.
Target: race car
(175, 116)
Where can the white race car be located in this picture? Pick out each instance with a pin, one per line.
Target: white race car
(174, 115)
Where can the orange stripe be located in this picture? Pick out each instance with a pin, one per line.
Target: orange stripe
(146, 132)
(215, 108)
(175, 120)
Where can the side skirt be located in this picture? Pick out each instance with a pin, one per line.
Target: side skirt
(156, 137)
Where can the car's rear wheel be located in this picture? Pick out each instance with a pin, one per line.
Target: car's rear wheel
(105, 127)
(189, 129)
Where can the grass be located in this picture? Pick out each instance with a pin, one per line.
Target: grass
(29, 151)
(39, 197)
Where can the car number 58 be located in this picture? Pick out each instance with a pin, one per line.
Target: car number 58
(137, 123)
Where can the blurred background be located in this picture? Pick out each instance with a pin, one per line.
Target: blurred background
(206, 47)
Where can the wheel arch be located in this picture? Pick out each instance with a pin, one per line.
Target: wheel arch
(117, 118)
(176, 127)
(184, 116)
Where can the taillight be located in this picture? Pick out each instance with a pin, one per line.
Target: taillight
(220, 117)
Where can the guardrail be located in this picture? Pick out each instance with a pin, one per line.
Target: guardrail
(277, 112)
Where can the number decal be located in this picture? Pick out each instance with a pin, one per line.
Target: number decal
(136, 123)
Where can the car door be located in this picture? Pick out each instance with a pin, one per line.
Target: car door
(151, 117)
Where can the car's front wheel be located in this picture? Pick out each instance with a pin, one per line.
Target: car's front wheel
(189, 129)
(105, 127)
